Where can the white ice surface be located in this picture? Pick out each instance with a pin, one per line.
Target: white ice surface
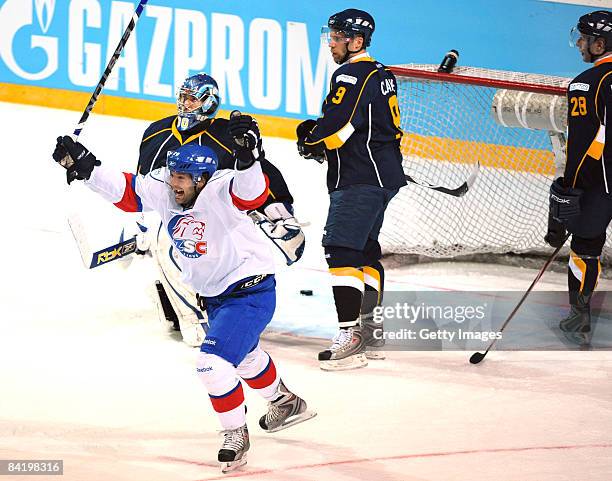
(87, 375)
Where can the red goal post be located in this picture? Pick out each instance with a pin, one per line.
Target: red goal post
(512, 124)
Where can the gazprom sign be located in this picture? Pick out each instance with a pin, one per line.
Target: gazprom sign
(265, 54)
(261, 64)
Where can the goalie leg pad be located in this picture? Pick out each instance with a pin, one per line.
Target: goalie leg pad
(183, 299)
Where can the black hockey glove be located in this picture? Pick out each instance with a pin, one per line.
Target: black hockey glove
(564, 202)
(75, 158)
(316, 151)
(556, 234)
(245, 132)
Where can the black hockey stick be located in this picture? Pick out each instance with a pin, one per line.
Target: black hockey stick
(456, 192)
(109, 68)
(479, 356)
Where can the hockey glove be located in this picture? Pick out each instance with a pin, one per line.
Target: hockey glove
(556, 234)
(75, 158)
(316, 151)
(245, 132)
(564, 202)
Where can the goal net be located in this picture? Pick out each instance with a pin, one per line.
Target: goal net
(507, 129)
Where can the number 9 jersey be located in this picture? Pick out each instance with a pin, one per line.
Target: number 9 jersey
(360, 126)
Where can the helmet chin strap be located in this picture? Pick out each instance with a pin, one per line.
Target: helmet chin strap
(348, 53)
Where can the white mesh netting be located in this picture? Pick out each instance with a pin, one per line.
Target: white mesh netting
(448, 127)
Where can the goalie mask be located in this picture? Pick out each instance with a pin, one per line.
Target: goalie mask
(197, 99)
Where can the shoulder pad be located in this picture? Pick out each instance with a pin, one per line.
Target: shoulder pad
(159, 125)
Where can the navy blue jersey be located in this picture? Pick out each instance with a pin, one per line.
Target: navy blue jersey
(162, 136)
(360, 127)
(589, 144)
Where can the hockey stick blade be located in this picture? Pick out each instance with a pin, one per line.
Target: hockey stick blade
(112, 253)
(456, 192)
(479, 356)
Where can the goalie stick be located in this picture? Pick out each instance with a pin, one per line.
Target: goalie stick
(456, 192)
(479, 356)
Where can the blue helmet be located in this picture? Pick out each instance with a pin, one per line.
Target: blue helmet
(193, 159)
(353, 22)
(203, 88)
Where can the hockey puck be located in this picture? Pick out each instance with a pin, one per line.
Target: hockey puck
(306, 292)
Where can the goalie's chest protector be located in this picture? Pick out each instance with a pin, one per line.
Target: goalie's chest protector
(214, 243)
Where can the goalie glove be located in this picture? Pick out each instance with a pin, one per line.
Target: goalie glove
(308, 151)
(282, 229)
(75, 158)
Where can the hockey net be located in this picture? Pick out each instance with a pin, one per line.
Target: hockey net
(512, 124)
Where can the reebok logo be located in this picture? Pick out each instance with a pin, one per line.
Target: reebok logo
(559, 199)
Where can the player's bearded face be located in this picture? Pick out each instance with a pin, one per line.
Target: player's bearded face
(184, 189)
(338, 45)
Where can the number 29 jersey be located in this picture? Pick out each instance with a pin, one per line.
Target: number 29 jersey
(360, 126)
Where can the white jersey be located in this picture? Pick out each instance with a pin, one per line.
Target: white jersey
(217, 242)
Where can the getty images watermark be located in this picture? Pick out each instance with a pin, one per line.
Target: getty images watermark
(425, 322)
(455, 320)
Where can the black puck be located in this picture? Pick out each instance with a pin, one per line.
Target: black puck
(306, 292)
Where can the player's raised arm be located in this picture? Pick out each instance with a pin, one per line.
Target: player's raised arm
(249, 188)
(126, 191)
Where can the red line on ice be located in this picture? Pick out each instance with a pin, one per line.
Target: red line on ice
(242, 474)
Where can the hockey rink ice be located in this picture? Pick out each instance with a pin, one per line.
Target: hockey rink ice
(88, 375)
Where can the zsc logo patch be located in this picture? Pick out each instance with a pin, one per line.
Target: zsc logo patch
(187, 235)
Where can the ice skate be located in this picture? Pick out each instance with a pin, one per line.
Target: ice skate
(577, 326)
(372, 334)
(346, 352)
(285, 411)
(233, 452)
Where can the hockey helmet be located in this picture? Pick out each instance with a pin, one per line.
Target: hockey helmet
(595, 24)
(196, 160)
(203, 89)
(353, 22)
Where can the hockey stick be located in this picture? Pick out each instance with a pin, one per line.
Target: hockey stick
(109, 68)
(125, 247)
(456, 192)
(479, 356)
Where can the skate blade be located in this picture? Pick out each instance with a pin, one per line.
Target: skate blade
(292, 421)
(582, 339)
(229, 466)
(376, 355)
(352, 362)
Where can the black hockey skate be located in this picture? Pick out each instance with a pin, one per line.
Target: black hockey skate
(372, 334)
(233, 452)
(577, 326)
(285, 411)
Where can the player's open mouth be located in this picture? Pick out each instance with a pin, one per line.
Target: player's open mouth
(178, 193)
